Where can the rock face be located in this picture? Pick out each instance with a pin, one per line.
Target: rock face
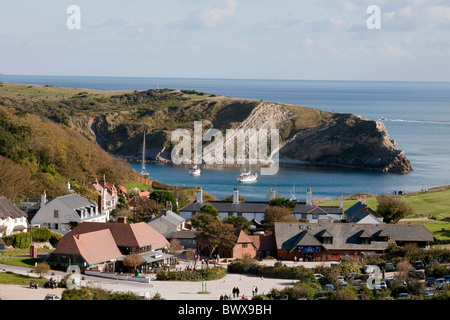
(307, 136)
(329, 139)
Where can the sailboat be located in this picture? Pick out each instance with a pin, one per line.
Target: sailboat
(293, 196)
(144, 172)
(195, 171)
(247, 176)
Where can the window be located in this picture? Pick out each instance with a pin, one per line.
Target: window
(56, 214)
(244, 245)
(327, 240)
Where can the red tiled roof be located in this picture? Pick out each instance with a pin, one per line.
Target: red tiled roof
(124, 234)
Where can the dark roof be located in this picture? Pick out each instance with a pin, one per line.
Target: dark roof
(228, 206)
(259, 206)
(359, 211)
(185, 234)
(166, 223)
(8, 210)
(346, 236)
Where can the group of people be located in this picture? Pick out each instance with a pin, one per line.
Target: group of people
(236, 293)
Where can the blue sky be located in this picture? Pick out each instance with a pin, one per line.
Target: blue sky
(257, 39)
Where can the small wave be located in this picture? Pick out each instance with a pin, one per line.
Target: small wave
(417, 121)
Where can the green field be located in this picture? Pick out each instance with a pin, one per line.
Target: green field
(431, 209)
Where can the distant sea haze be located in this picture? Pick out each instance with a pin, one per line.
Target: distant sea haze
(416, 115)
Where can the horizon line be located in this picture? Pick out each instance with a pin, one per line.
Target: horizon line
(213, 78)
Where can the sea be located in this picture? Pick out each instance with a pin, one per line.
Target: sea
(416, 115)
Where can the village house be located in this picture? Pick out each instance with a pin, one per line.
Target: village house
(125, 239)
(63, 212)
(173, 226)
(242, 247)
(332, 241)
(256, 209)
(361, 213)
(107, 195)
(12, 219)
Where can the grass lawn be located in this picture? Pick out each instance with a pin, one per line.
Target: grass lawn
(19, 279)
(21, 261)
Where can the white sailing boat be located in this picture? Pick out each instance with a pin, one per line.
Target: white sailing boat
(144, 172)
(293, 196)
(248, 176)
(195, 171)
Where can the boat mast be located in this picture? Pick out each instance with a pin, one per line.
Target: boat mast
(143, 156)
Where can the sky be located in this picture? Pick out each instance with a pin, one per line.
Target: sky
(409, 40)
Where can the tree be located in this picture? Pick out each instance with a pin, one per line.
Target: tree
(202, 219)
(392, 208)
(282, 202)
(42, 268)
(164, 196)
(133, 260)
(209, 208)
(175, 246)
(218, 233)
(238, 222)
(277, 214)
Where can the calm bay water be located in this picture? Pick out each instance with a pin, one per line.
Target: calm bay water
(417, 116)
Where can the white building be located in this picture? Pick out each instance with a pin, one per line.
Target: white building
(61, 212)
(12, 219)
(256, 209)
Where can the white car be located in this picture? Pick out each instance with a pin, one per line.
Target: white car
(381, 285)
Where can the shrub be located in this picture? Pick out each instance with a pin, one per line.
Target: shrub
(214, 273)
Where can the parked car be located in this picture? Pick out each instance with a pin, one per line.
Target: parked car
(341, 278)
(52, 297)
(433, 262)
(420, 274)
(381, 285)
(403, 296)
(427, 294)
(328, 287)
(343, 285)
(318, 276)
(446, 277)
(441, 282)
(353, 275)
(431, 281)
(368, 269)
(389, 267)
(418, 265)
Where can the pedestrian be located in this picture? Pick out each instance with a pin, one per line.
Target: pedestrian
(237, 292)
(253, 291)
(256, 291)
(244, 297)
(234, 292)
(221, 297)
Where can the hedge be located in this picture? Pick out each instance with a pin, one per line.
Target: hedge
(214, 273)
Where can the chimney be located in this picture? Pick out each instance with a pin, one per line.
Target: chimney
(43, 199)
(200, 195)
(236, 196)
(272, 194)
(68, 185)
(122, 219)
(100, 204)
(308, 197)
(341, 202)
(168, 205)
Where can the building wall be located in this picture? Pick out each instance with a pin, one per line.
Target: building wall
(333, 255)
(241, 249)
(45, 217)
(10, 223)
